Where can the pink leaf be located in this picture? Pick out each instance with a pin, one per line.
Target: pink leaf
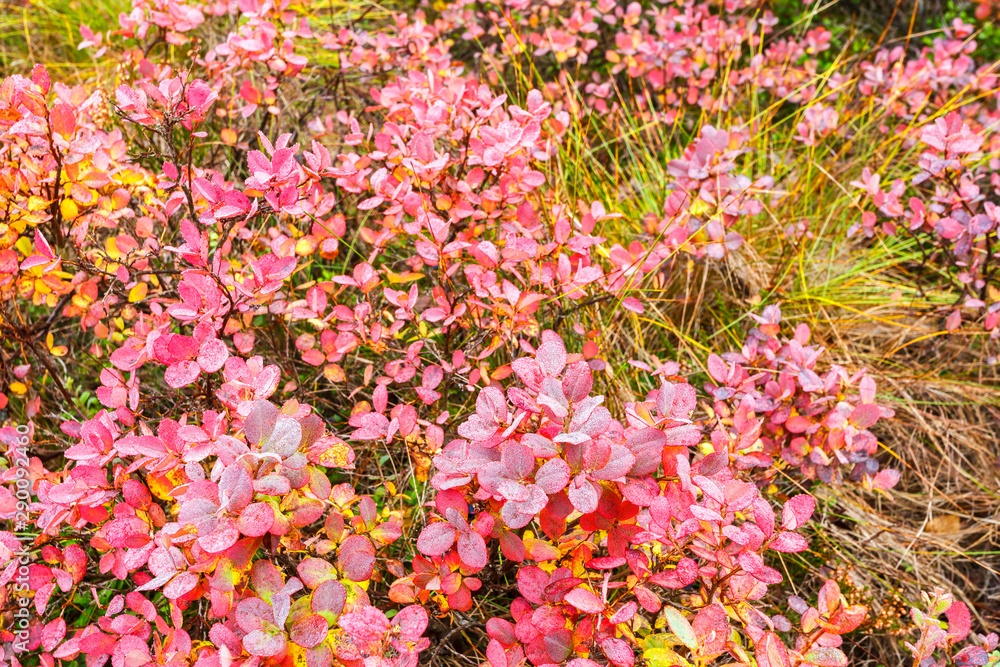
(551, 356)
(256, 519)
(618, 651)
(182, 373)
(436, 538)
(585, 601)
(181, 584)
(472, 549)
(959, 621)
(411, 621)
(789, 542)
(797, 511)
(865, 415)
(357, 558)
(366, 624)
(826, 656)
(212, 355)
(264, 644)
(885, 479)
(770, 652)
(309, 631)
(553, 476)
(583, 495)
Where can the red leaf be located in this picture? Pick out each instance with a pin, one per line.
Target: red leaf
(577, 382)
(711, 627)
(959, 621)
(63, 120)
(846, 619)
(531, 582)
(625, 614)
(885, 479)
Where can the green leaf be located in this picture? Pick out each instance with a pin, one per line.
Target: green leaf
(681, 628)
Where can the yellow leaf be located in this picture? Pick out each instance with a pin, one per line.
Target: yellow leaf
(664, 657)
(334, 373)
(699, 206)
(111, 248)
(421, 459)
(337, 455)
(296, 653)
(228, 136)
(69, 209)
(56, 350)
(306, 246)
(23, 245)
(399, 278)
(160, 484)
(138, 293)
(18, 388)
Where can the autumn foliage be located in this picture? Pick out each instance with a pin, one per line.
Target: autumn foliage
(274, 292)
